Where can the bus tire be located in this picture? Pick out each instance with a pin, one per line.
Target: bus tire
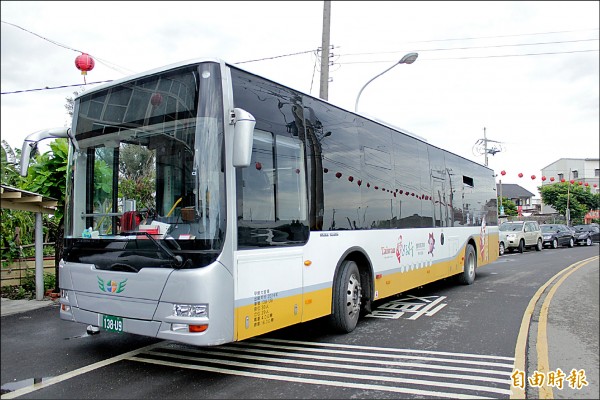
(347, 294)
(467, 277)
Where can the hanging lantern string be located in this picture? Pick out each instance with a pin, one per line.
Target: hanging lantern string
(552, 179)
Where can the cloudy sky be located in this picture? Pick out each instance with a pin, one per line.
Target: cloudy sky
(527, 72)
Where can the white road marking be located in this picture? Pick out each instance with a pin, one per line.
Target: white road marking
(426, 393)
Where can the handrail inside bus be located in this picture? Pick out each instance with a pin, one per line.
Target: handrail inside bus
(117, 214)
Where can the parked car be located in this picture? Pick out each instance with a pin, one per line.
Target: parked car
(520, 235)
(557, 235)
(586, 234)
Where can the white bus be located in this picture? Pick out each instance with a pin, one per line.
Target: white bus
(206, 204)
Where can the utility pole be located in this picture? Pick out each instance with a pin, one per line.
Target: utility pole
(324, 86)
(481, 147)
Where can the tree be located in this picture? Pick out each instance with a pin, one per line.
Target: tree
(48, 175)
(70, 105)
(510, 208)
(137, 175)
(15, 225)
(580, 199)
(10, 166)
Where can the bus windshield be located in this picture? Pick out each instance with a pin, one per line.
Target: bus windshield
(146, 164)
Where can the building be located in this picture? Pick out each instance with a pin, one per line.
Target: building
(584, 170)
(520, 196)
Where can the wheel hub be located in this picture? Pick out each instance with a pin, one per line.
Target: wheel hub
(353, 295)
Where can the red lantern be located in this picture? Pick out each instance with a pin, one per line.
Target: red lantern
(563, 180)
(368, 184)
(587, 184)
(595, 185)
(325, 170)
(503, 172)
(520, 174)
(580, 183)
(543, 178)
(84, 63)
(258, 166)
(350, 178)
(376, 187)
(551, 179)
(532, 177)
(338, 175)
(156, 99)
(572, 181)
(297, 170)
(359, 182)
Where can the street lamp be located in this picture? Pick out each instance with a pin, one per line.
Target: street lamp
(407, 59)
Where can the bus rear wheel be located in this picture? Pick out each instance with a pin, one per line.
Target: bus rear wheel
(347, 294)
(467, 277)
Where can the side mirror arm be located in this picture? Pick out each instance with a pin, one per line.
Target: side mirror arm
(31, 141)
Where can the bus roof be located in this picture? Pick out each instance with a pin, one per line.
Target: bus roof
(220, 61)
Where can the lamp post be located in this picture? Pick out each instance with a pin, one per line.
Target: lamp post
(407, 59)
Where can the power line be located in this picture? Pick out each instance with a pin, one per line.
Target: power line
(92, 83)
(313, 74)
(42, 37)
(271, 58)
(499, 36)
(113, 65)
(108, 64)
(474, 47)
(54, 87)
(474, 57)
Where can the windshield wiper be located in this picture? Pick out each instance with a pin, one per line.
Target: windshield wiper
(177, 259)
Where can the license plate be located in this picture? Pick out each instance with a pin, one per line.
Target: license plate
(112, 324)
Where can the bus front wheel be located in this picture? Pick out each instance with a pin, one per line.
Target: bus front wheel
(347, 294)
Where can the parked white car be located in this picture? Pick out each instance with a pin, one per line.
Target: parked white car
(520, 235)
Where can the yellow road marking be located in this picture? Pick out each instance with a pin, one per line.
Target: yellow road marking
(520, 348)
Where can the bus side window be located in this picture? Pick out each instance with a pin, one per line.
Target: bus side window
(257, 181)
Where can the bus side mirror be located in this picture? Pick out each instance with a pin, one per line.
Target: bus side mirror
(31, 141)
(243, 136)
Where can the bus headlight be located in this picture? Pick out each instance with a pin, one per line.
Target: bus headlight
(190, 310)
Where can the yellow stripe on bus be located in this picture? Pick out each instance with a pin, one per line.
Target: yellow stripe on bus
(266, 316)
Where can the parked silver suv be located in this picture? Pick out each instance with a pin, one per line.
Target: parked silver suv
(520, 235)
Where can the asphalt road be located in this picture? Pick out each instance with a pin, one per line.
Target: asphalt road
(441, 340)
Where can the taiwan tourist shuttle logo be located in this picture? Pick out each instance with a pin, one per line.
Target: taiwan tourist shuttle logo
(111, 286)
